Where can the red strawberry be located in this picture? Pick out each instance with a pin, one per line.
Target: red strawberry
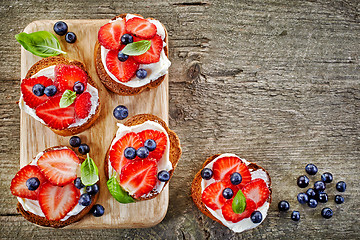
(138, 177)
(257, 190)
(109, 35)
(56, 202)
(153, 54)
(140, 27)
(226, 166)
(159, 138)
(18, 184)
(67, 75)
(229, 214)
(123, 71)
(116, 154)
(212, 195)
(59, 166)
(26, 89)
(83, 105)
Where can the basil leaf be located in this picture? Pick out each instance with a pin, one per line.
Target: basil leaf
(41, 43)
(137, 48)
(117, 192)
(239, 202)
(67, 98)
(89, 172)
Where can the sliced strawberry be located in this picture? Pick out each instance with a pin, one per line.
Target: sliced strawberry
(229, 214)
(54, 116)
(67, 75)
(140, 27)
(226, 166)
(153, 54)
(56, 202)
(26, 89)
(212, 195)
(116, 154)
(138, 177)
(123, 71)
(83, 105)
(159, 138)
(257, 190)
(18, 183)
(109, 35)
(59, 166)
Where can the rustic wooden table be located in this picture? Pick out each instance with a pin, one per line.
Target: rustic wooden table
(276, 82)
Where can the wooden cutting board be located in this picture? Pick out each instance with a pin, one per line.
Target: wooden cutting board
(34, 137)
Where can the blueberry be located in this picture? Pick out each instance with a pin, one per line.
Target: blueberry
(122, 57)
(235, 178)
(93, 189)
(163, 176)
(312, 203)
(60, 28)
(319, 186)
(142, 152)
(283, 206)
(78, 184)
(327, 177)
(295, 215)
(97, 210)
(302, 198)
(126, 39)
(70, 37)
(78, 87)
(256, 217)
(120, 112)
(341, 186)
(339, 199)
(206, 173)
(130, 153)
(311, 193)
(322, 197)
(303, 181)
(141, 73)
(85, 199)
(75, 141)
(84, 148)
(326, 213)
(150, 144)
(38, 89)
(50, 90)
(311, 169)
(32, 183)
(228, 193)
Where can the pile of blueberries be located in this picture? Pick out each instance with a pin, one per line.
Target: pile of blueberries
(75, 141)
(61, 28)
(314, 195)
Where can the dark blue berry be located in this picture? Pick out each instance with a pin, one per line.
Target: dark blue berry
(60, 28)
(163, 176)
(295, 215)
(78, 184)
(120, 112)
(85, 199)
(326, 213)
(311, 193)
(93, 189)
(322, 197)
(122, 57)
(319, 186)
(32, 183)
(206, 173)
(327, 177)
(75, 141)
(341, 186)
(38, 89)
(303, 181)
(283, 206)
(142, 152)
(339, 199)
(141, 73)
(235, 178)
(150, 144)
(302, 198)
(311, 169)
(50, 90)
(256, 217)
(84, 148)
(130, 153)
(78, 87)
(97, 210)
(70, 37)
(228, 193)
(126, 39)
(312, 203)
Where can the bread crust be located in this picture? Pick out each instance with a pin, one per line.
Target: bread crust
(42, 221)
(50, 61)
(175, 148)
(119, 88)
(196, 188)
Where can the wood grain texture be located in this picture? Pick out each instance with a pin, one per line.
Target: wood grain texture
(276, 82)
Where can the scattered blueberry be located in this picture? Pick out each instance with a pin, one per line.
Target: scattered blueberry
(256, 217)
(75, 141)
(283, 206)
(303, 181)
(97, 210)
(50, 90)
(327, 177)
(130, 153)
(319, 186)
(78, 87)
(38, 89)
(122, 57)
(311, 193)
(150, 144)
(326, 213)
(341, 186)
(60, 28)
(84, 148)
(339, 199)
(142, 152)
(206, 173)
(295, 215)
(163, 176)
(302, 198)
(85, 199)
(311, 169)
(78, 184)
(235, 178)
(93, 189)
(70, 37)
(32, 183)
(126, 39)
(228, 193)
(322, 197)
(141, 73)
(120, 112)
(312, 203)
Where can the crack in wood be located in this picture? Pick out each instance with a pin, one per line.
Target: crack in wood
(184, 4)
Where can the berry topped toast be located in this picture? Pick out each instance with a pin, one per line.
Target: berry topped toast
(60, 94)
(131, 73)
(232, 191)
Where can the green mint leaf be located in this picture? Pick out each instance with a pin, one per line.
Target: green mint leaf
(89, 172)
(239, 202)
(41, 43)
(117, 192)
(67, 98)
(137, 48)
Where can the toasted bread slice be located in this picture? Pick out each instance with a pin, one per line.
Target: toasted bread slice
(42, 221)
(174, 153)
(50, 61)
(119, 88)
(196, 187)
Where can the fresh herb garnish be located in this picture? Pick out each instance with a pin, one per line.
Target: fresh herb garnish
(89, 172)
(117, 192)
(67, 98)
(137, 48)
(239, 202)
